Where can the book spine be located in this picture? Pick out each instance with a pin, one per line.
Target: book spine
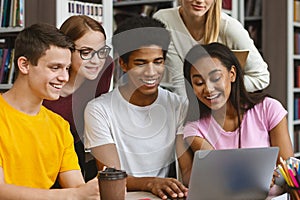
(296, 10)
(5, 51)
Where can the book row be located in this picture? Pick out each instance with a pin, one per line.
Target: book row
(7, 69)
(297, 140)
(11, 13)
(297, 76)
(297, 43)
(93, 10)
(253, 8)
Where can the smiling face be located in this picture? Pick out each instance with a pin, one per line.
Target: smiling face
(89, 69)
(196, 8)
(145, 69)
(51, 73)
(211, 82)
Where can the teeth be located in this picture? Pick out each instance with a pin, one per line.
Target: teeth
(57, 86)
(150, 82)
(212, 97)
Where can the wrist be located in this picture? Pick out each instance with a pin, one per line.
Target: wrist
(74, 194)
(149, 183)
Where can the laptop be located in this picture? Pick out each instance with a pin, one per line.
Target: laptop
(232, 174)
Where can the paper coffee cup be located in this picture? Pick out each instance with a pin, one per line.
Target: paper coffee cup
(112, 184)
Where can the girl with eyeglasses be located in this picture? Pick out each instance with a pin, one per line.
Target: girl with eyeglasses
(90, 76)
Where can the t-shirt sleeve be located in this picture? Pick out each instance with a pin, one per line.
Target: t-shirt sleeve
(256, 73)
(191, 129)
(70, 159)
(1, 162)
(183, 108)
(274, 111)
(97, 130)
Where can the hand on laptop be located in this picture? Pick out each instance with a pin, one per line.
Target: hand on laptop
(167, 187)
(275, 178)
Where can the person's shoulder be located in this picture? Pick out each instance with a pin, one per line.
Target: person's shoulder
(165, 13)
(227, 19)
(102, 98)
(102, 102)
(225, 16)
(268, 103)
(3, 105)
(229, 25)
(52, 115)
(270, 100)
(172, 97)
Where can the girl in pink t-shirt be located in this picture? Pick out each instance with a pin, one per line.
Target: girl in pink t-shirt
(229, 116)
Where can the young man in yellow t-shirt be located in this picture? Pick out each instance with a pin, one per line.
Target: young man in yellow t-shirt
(36, 145)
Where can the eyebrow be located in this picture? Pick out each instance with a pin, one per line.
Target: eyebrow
(143, 60)
(214, 71)
(210, 73)
(196, 76)
(85, 48)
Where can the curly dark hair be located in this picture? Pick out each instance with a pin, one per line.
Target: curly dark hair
(138, 31)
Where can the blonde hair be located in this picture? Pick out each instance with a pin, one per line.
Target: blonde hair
(212, 22)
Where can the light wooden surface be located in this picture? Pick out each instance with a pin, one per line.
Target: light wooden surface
(149, 196)
(140, 196)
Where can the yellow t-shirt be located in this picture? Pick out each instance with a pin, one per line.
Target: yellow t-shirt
(34, 149)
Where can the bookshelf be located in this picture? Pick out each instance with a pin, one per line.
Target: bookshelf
(250, 15)
(278, 48)
(11, 22)
(231, 7)
(123, 9)
(56, 11)
(50, 11)
(293, 68)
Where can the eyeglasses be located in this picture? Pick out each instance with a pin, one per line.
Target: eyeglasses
(87, 54)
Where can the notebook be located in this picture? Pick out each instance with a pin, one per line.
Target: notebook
(241, 55)
(232, 174)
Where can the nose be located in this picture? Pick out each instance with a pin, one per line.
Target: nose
(209, 86)
(150, 69)
(64, 75)
(199, 1)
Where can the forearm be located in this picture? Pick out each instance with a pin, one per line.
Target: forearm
(185, 159)
(256, 73)
(139, 183)
(255, 82)
(11, 192)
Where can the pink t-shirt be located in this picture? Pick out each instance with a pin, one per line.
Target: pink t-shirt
(255, 127)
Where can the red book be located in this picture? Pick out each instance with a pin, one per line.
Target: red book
(227, 4)
(298, 76)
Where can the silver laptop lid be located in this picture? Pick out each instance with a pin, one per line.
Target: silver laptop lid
(232, 174)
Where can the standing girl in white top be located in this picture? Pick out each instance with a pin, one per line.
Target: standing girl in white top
(202, 21)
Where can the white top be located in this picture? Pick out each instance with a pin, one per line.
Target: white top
(144, 136)
(232, 34)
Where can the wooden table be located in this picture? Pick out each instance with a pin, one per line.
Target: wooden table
(140, 196)
(150, 196)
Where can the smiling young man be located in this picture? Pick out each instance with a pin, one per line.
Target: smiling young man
(137, 126)
(36, 145)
